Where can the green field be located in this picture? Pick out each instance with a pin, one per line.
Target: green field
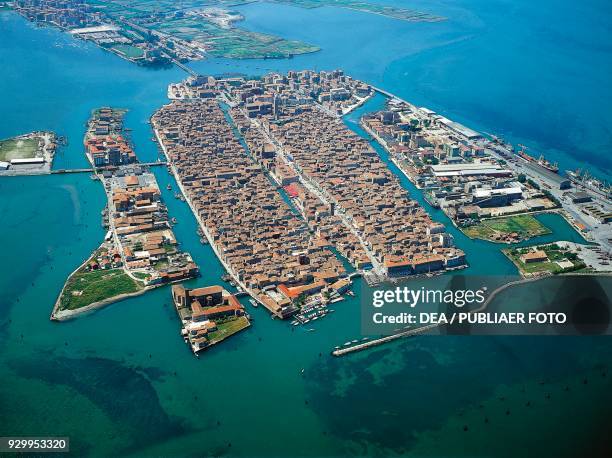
(131, 52)
(374, 8)
(227, 328)
(525, 226)
(13, 148)
(85, 288)
(554, 253)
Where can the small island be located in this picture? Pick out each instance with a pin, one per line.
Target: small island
(28, 154)
(208, 315)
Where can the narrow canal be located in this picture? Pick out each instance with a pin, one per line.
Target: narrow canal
(484, 258)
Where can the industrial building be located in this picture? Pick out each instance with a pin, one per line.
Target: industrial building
(469, 169)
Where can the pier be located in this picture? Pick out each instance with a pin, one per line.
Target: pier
(419, 330)
(382, 340)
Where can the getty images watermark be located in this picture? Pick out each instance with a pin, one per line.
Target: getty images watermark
(488, 305)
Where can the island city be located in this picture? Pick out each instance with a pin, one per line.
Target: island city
(205, 202)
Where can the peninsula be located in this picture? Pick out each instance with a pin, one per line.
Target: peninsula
(139, 251)
(153, 32)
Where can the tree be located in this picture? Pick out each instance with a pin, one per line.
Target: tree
(522, 178)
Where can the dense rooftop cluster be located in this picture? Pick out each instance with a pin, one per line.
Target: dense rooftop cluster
(61, 13)
(140, 221)
(319, 216)
(252, 228)
(344, 172)
(104, 142)
(345, 169)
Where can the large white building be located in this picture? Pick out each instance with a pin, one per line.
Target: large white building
(469, 169)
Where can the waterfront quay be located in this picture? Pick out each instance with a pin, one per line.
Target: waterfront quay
(265, 247)
(309, 145)
(208, 315)
(473, 178)
(118, 35)
(139, 251)
(448, 162)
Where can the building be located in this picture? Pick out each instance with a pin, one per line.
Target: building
(28, 161)
(469, 169)
(496, 197)
(206, 303)
(534, 256)
(580, 197)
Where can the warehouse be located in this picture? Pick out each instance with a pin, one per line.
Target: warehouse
(469, 169)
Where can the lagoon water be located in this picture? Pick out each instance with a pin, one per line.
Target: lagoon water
(121, 380)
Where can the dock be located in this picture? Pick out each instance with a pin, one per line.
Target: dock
(381, 340)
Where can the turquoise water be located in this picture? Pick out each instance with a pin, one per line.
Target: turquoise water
(121, 380)
(534, 72)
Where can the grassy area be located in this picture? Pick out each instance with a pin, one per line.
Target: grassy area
(553, 252)
(141, 275)
(131, 52)
(85, 288)
(232, 42)
(227, 328)
(519, 227)
(18, 148)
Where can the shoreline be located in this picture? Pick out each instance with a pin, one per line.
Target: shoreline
(66, 315)
(58, 314)
(201, 224)
(112, 238)
(45, 151)
(557, 210)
